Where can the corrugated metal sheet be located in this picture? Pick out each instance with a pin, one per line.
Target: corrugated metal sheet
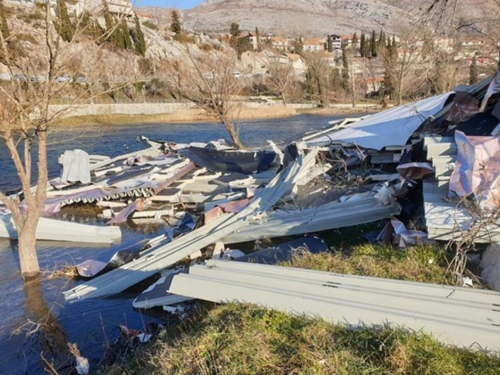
(329, 216)
(454, 315)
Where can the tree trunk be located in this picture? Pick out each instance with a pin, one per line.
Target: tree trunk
(283, 98)
(27, 250)
(232, 132)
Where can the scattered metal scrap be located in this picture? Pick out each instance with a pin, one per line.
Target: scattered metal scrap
(356, 171)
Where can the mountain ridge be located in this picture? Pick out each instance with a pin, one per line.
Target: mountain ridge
(303, 17)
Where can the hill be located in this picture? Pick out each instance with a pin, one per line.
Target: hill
(304, 17)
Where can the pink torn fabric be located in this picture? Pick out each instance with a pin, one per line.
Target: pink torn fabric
(138, 205)
(234, 206)
(477, 169)
(212, 214)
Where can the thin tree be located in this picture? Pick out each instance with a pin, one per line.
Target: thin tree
(345, 70)
(257, 37)
(25, 120)
(64, 26)
(373, 44)
(329, 43)
(138, 36)
(473, 72)
(208, 81)
(317, 74)
(362, 46)
(280, 77)
(355, 42)
(175, 25)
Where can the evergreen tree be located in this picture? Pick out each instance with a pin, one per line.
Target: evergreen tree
(235, 40)
(125, 35)
(235, 30)
(298, 45)
(474, 74)
(139, 41)
(175, 26)
(110, 25)
(362, 45)
(4, 32)
(355, 41)
(96, 31)
(329, 43)
(345, 69)
(64, 26)
(373, 44)
(4, 27)
(257, 38)
(381, 40)
(390, 62)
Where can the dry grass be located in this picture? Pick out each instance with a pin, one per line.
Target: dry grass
(240, 339)
(188, 115)
(67, 272)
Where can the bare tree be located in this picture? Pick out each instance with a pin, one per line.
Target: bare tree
(208, 80)
(317, 73)
(280, 76)
(26, 117)
(407, 64)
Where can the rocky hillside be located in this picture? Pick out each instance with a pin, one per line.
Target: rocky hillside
(304, 17)
(26, 25)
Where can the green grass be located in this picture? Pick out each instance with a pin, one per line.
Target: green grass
(246, 339)
(425, 264)
(242, 339)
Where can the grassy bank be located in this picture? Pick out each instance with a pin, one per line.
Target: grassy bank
(424, 264)
(245, 339)
(188, 115)
(241, 339)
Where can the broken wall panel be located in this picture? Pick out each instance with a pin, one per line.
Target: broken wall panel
(329, 216)
(164, 256)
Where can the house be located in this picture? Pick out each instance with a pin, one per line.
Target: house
(313, 45)
(350, 40)
(335, 40)
(472, 42)
(279, 43)
(373, 85)
(118, 7)
(30, 3)
(255, 62)
(444, 44)
(147, 18)
(328, 57)
(298, 64)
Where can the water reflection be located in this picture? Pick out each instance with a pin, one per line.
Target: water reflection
(44, 331)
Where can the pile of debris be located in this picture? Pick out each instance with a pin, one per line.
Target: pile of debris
(355, 171)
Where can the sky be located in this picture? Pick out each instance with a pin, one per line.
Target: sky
(180, 4)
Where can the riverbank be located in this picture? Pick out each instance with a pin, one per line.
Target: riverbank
(241, 339)
(179, 116)
(185, 115)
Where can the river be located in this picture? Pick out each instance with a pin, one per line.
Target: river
(34, 318)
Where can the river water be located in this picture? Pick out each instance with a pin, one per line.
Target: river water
(35, 321)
